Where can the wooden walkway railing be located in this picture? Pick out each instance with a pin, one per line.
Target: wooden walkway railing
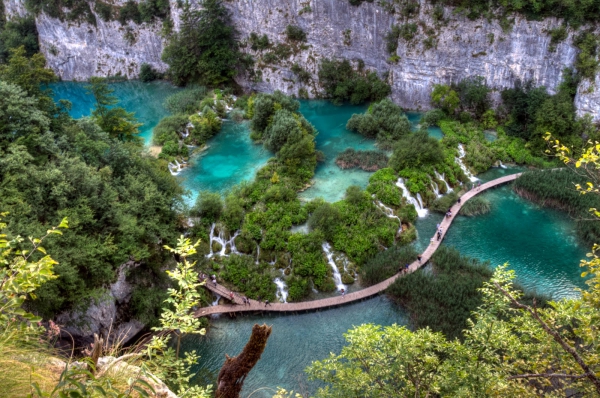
(350, 297)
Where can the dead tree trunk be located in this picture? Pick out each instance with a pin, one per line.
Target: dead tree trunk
(234, 371)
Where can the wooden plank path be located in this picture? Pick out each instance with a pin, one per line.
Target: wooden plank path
(256, 306)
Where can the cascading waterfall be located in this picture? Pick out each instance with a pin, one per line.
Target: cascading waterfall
(282, 290)
(459, 161)
(418, 202)
(220, 239)
(217, 298)
(337, 277)
(501, 165)
(436, 189)
(388, 212)
(174, 168)
(442, 177)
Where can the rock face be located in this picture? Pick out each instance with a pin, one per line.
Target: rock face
(103, 316)
(455, 48)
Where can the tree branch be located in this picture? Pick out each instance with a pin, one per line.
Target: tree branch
(589, 373)
(547, 375)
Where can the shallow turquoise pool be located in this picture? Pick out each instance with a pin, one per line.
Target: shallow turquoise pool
(145, 100)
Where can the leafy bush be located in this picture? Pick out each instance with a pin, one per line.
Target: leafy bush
(130, 12)
(206, 125)
(586, 62)
(384, 121)
(17, 32)
(391, 39)
(442, 204)
(387, 263)
(208, 206)
(205, 49)
(325, 218)
(104, 10)
(432, 117)
(557, 35)
(251, 279)
(168, 129)
(342, 83)
(258, 43)
(295, 33)
(408, 31)
(416, 150)
(148, 74)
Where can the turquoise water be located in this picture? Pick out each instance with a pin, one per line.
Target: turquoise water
(232, 157)
(143, 99)
(296, 341)
(538, 243)
(415, 117)
(331, 182)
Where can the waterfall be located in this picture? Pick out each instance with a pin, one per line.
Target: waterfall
(501, 165)
(418, 202)
(217, 298)
(442, 177)
(436, 189)
(337, 277)
(220, 239)
(173, 169)
(257, 254)
(459, 161)
(389, 213)
(282, 292)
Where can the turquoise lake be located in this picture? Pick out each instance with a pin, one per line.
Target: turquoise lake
(145, 100)
(539, 243)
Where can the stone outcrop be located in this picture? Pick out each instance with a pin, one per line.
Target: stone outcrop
(103, 316)
(441, 52)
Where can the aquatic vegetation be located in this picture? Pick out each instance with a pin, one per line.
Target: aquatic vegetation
(386, 263)
(556, 189)
(442, 204)
(475, 207)
(384, 121)
(365, 160)
(249, 278)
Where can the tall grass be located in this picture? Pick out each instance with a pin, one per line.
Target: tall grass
(366, 160)
(556, 189)
(443, 297)
(442, 204)
(386, 263)
(475, 206)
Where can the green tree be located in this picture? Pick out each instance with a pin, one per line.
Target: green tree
(177, 318)
(116, 121)
(204, 50)
(445, 98)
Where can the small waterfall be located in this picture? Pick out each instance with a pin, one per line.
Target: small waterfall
(220, 239)
(442, 177)
(337, 277)
(217, 298)
(282, 292)
(436, 189)
(418, 202)
(501, 165)
(389, 213)
(459, 161)
(174, 168)
(257, 254)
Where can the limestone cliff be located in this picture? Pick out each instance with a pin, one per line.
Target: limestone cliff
(442, 51)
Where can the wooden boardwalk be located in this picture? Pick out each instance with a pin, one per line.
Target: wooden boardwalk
(256, 306)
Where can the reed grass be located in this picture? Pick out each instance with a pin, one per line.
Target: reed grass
(365, 160)
(476, 206)
(556, 189)
(443, 295)
(386, 263)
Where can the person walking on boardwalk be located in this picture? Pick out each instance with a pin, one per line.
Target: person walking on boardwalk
(419, 257)
(267, 303)
(343, 292)
(458, 200)
(231, 296)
